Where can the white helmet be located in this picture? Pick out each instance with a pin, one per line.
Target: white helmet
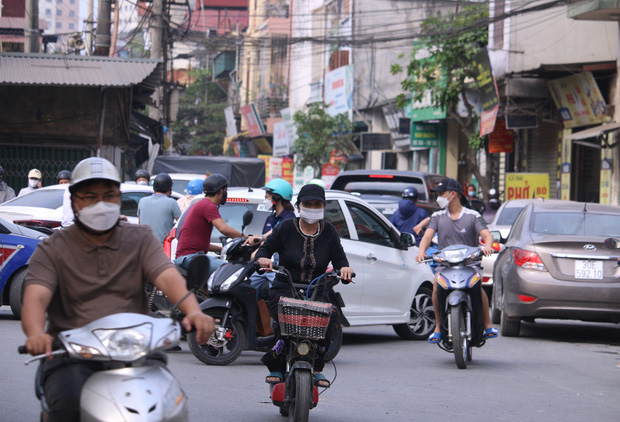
(93, 168)
(319, 182)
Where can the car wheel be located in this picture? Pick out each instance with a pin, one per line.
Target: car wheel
(496, 314)
(16, 293)
(510, 327)
(422, 320)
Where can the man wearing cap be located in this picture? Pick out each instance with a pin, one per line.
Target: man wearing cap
(34, 182)
(94, 268)
(6, 192)
(455, 224)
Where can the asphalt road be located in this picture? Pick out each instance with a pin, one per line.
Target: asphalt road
(556, 371)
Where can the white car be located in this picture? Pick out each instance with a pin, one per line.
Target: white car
(502, 222)
(390, 287)
(43, 207)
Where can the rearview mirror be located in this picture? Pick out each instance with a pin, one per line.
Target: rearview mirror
(497, 237)
(247, 218)
(612, 243)
(406, 241)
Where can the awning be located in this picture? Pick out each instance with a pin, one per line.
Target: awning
(594, 132)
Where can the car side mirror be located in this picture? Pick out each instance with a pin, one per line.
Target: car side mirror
(406, 241)
(612, 243)
(497, 237)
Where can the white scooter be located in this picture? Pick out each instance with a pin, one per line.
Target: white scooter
(131, 390)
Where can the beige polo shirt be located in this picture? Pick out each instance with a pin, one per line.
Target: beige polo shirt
(91, 281)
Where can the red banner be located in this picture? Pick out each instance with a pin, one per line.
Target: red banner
(501, 139)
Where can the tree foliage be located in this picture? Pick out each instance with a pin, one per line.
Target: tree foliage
(319, 135)
(201, 125)
(441, 64)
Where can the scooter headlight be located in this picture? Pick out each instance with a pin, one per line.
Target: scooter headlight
(126, 343)
(230, 280)
(173, 399)
(455, 256)
(303, 349)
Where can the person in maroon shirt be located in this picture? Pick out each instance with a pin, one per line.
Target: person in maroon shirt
(197, 226)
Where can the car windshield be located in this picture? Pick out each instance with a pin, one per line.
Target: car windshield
(577, 224)
(380, 187)
(508, 216)
(232, 214)
(48, 198)
(179, 186)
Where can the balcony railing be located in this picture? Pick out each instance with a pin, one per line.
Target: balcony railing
(270, 107)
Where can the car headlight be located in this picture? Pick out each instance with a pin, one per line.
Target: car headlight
(455, 256)
(126, 343)
(230, 280)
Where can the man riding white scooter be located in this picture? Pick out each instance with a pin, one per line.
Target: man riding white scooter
(94, 268)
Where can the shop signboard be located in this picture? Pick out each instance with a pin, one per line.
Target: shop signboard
(329, 173)
(485, 81)
(281, 144)
(424, 110)
(231, 124)
(376, 141)
(252, 120)
(339, 90)
(291, 129)
(501, 139)
(487, 121)
(287, 169)
(527, 186)
(425, 135)
(579, 100)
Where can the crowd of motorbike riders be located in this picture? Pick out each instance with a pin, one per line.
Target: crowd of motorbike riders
(99, 265)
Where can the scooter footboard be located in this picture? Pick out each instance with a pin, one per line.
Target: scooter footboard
(146, 393)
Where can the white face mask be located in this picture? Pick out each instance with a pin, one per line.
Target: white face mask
(268, 204)
(442, 202)
(33, 183)
(311, 215)
(143, 183)
(100, 217)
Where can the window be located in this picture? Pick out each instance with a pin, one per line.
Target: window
(369, 228)
(58, 25)
(576, 224)
(71, 13)
(49, 198)
(58, 12)
(333, 214)
(72, 1)
(71, 26)
(48, 12)
(129, 202)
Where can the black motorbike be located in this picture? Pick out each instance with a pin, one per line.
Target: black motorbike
(232, 302)
(303, 323)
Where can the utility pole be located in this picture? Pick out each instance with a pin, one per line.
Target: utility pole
(31, 27)
(89, 27)
(158, 43)
(114, 29)
(102, 39)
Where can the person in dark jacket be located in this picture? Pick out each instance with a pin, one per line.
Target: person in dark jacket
(306, 245)
(408, 215)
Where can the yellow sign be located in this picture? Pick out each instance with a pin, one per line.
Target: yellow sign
(605, 187)
(579, 100)
(527, 186)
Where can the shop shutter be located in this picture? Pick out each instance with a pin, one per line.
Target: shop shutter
(542, 155)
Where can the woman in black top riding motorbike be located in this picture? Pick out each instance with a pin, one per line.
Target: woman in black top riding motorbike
(306, 245)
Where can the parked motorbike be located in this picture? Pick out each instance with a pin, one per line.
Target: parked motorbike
(232, 303)
(136, 384)
(303, 321)
(460, 301)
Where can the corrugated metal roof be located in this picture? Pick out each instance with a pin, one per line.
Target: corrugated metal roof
(86, 71)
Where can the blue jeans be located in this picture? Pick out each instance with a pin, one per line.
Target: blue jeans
(214, 263)
(258, 280)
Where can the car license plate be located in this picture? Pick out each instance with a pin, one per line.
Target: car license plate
(589, 269)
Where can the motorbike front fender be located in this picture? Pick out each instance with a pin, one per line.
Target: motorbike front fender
(301, 364)
(216, 302)
(146, 393)
(456, 297)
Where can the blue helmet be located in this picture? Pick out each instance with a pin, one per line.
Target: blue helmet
(280, 187)
(410, 192)
(194, 186)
